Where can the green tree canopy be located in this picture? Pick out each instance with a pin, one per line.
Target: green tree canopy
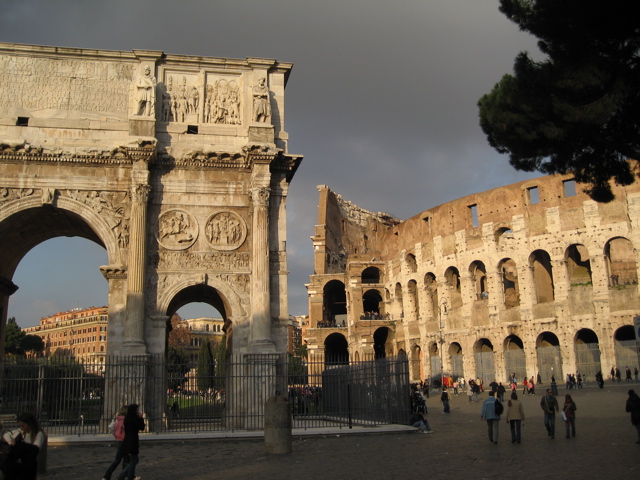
(205, 369)
(32, 343)
(578, 111)
(13, 338)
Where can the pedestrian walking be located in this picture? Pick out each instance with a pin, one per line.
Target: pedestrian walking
(501, 392)
(444, 398)
(515, 417)
(491, 414)
(549, 405)
(133, 424)
(118, 433)
(599, 379)
(633, 407)
(569, 416)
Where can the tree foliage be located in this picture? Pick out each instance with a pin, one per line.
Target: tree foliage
(32, 343)
(13, 338)
(178, 366)
(179, 333)
(205, 370)
(577, 111)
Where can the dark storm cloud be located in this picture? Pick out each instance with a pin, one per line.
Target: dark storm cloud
(381, 100)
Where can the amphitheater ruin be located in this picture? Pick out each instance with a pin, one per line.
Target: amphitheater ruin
(528, 278)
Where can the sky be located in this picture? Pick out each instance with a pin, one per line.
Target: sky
(381, 102)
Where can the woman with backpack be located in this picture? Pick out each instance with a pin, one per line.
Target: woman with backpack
(118, 433)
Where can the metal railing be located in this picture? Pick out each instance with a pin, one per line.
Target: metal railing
(76, 398)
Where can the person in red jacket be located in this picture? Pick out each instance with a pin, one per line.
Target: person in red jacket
(118, 433)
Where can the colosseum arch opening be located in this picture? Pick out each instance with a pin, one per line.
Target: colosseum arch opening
(334, 308)
(383, 341)
(371, 275)
(371, 303)
(435, 364)
(542, 276)
(452, 277)
(431, 291)
(336, 350)
(456, 359)
(625, 348)
(416, 370)
(578, 265)
(510, 287)
(588, 353)
(485, 368)
(549, 356)
(621, 262)
(478, 273)
(514, 357)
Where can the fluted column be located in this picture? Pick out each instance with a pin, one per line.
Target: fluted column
(134, 328)
(260, 337)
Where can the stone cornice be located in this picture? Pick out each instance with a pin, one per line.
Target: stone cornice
(111, 272)
(25, 153)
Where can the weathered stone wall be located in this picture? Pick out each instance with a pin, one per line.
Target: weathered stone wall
(541, 260)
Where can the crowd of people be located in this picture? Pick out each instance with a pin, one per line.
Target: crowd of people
(493, 409)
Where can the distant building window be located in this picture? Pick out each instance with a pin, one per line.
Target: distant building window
(533, 195)
(569, 188)
(474, 215)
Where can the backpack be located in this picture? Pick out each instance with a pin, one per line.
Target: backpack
(499, 408)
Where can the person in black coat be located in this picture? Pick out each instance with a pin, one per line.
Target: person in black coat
(133, 423)
(633, 407)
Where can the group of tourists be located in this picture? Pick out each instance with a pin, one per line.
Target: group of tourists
(493, 409)
(616, 375)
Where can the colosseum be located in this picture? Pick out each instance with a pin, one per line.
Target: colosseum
(530, 278)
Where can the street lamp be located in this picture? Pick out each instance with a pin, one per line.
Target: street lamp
(443, 312)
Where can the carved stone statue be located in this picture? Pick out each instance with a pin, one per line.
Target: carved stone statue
(261, 104)
(146, 93)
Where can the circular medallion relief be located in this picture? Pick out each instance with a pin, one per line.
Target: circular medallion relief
(225, 230)
(177, 230)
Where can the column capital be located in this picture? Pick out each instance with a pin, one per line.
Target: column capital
(260, 196)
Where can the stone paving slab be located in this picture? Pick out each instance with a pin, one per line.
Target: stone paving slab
(603, 448)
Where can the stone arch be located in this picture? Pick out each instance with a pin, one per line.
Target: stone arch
(371, 275)
(510, 284)
(549, 356)
(334, 302)
(371, 301)
(336, 350)
(435, 363)
(514, 357)
(412, 264)
(216, 294)
(452, 278)
(625, 347)
(383, 341)
(456, 359)
(587, 351)
(578, 265)
(504, 238)
(621, 262)
(416, 370)
(26, 222)
(431, 289)
(540, 262)
(398, 300)
(485, 369)
(412, 289)
(478, 273)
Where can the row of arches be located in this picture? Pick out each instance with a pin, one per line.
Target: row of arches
(620, 264)
(549, 361)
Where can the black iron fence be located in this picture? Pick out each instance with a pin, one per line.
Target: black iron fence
(81, 398)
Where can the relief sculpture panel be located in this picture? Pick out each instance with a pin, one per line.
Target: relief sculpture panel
(177, 230)
(226, 230)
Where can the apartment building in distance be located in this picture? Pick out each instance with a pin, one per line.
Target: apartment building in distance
(80, 333)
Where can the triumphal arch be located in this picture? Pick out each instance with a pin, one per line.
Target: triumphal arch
(177, 165)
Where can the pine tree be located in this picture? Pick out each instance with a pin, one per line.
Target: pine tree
(577, 111)
(205, 371)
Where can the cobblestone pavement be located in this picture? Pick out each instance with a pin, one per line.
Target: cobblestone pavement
(603, 448)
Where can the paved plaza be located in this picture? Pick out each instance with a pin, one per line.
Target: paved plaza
(603, 448)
